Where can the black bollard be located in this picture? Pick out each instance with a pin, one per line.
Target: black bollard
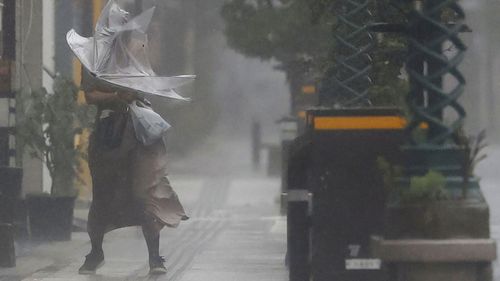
(299, 210)
(7, 249)
(10, 192)
(298, 235)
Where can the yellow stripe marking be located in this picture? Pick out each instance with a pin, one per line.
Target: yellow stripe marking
(359, 123)
(309, 89)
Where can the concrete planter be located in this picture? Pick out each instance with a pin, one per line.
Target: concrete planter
(445, 241)
(50, 218)
(10, 192)
(438, 220)
(436, 259)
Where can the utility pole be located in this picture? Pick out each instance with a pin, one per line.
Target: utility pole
(28, 74)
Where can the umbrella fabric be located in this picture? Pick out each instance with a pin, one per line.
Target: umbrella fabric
(117, 54)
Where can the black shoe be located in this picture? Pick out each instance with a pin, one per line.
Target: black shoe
(156, 266)
(92, 262)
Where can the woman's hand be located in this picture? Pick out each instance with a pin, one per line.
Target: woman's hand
(127, 96)
(97, 97)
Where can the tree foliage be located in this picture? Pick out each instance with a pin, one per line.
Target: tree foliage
(277, 29)
(299, 35)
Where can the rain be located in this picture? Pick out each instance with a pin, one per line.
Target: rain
(258, 139)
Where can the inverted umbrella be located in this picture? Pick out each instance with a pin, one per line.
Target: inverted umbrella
(117, 54)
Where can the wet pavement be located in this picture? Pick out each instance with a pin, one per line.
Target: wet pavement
(235, 231)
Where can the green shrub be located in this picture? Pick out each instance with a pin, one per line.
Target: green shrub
(46, 128)
(427, 188)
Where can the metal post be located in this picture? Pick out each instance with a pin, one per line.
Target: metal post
(428, 64)
(256, 143)
(299, 211)
(298, 228)
(7, 252)
(9, 29)
(347, 82)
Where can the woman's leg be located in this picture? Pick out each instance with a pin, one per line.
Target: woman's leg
(96, 242)
(151, 230)
(97, 218)
(153, 243)
(95, 223)
(95, 258)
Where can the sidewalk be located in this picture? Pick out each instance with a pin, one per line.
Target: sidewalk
(234, 233)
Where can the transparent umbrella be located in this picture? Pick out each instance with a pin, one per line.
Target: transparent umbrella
(117, 54)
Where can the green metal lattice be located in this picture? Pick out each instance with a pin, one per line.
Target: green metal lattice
(348, 81)
(435, 52)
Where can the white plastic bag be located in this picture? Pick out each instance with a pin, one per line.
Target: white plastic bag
(149, 126)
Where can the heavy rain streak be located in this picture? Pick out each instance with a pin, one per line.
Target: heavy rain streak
(297, 140)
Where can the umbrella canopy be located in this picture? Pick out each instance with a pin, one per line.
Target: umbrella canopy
(117, 54)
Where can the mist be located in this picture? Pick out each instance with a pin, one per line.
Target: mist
(253, 68)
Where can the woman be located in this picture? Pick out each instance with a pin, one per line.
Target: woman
(129, 180)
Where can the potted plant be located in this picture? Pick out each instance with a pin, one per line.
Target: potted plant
(436, 216)
(47, 129)
(440, 202)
